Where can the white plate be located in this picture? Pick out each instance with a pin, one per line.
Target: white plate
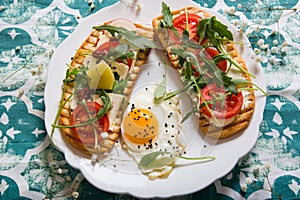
(119, 174)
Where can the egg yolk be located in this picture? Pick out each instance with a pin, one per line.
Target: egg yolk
(140, 126)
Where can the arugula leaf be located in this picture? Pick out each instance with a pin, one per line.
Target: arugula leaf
(180, 90)
(120, 51)
(190, 113)
(130, 36)
(167, 15)
(119, 86)
(246, 83)
(160, 91)
(187, 55)
(209, 26)
(217, 73)
(229, 85)
(167, 21)
(150, 158)
(221, 29)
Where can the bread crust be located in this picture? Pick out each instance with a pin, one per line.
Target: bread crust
(207, 127)
(89, 45)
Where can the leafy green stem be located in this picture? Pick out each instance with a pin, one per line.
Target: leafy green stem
(169, 95)
(243, 82)
(150, 158)
(61, 105)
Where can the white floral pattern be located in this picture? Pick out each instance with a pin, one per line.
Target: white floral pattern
(30, 168)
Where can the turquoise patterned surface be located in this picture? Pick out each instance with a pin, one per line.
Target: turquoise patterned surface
(30, 168)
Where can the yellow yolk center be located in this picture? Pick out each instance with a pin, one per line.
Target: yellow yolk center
(140, 126)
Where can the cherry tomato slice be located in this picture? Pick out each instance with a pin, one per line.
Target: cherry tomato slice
(180, 23)
(221, 110)
(212, 51)
(85, 134)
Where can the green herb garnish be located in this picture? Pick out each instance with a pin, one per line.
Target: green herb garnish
(167, 21)
(217, 33)
(150, 158)
(160, 91)
(120, 53)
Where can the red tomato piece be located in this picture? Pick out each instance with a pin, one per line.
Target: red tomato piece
(181, 23)
(85, 134)
(231, 106)
(128, 62)
(212, 51)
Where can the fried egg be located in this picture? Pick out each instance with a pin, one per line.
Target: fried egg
(149, 126)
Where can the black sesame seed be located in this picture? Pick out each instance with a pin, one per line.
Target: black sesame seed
(166, 125)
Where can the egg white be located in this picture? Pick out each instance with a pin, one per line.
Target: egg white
(168, 139)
